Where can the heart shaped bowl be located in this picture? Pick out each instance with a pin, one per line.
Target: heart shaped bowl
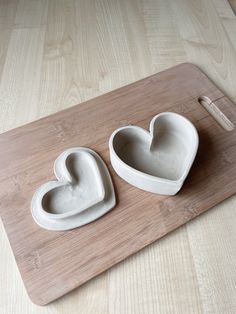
(157, 161)
(82, 193)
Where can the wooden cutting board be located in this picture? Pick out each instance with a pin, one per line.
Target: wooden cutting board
(53, 263)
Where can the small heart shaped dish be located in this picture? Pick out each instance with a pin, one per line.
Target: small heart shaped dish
(157, 161)
(82, 193)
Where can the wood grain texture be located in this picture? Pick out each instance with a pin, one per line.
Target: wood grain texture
(151, 38)
(233, 5)
(54, 263)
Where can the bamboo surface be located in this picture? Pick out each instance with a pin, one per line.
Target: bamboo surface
(50, 60)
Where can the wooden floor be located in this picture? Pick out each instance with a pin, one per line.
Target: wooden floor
(57, 53)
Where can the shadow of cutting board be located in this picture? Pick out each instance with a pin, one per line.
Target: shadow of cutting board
(53, 263)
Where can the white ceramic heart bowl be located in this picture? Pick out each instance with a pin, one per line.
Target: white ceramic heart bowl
(82, 193)
(158, 161)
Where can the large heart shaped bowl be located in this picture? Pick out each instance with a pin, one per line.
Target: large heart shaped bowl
(158, 161)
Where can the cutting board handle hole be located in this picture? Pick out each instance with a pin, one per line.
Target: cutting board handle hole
(216, 113)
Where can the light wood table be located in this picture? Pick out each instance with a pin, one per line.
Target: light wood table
(55, 54)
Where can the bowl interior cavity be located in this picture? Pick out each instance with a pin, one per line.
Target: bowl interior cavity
(165, 155)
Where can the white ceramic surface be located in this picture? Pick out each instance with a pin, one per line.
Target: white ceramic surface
(158, 161)
(84, 191)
